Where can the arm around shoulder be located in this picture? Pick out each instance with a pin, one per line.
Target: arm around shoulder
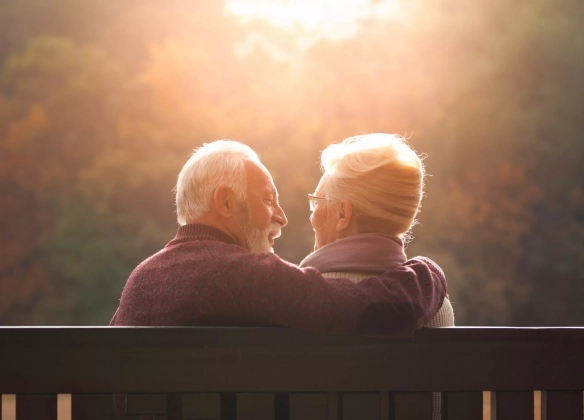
(415, 292)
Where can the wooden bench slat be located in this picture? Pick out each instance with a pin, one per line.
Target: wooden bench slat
(281, 406)
(8, 406)
(462, 406)
(91, 406)
(564, 405)
(361, 406)
(437, 406)
(119, 406)
(411, 406)
(384, 405)
(333, 406)
(257, 406)
(36, 407)
(201, 407)
(146, 404)
(161, 364)
(228, 406)
(307, 406)
(517, 405)
(200, 360)
(173, 407)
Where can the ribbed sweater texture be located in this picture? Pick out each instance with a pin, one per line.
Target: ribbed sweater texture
(203, 278)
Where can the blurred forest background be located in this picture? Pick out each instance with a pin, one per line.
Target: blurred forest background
(102, 102)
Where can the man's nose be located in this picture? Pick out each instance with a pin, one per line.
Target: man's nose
(280, 217)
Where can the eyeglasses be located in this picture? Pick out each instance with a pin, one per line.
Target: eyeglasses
(313, 201)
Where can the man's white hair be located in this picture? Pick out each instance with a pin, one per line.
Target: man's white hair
(221, 162)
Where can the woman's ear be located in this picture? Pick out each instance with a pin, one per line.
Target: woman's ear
(224, 201)
(345, 214)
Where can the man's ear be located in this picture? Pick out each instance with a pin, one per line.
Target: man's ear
(224, 201)
(345, 213)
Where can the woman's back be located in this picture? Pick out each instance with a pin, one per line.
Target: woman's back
(444, 317)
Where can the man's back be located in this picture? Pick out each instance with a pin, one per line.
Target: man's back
(185, 283)
(203, 278)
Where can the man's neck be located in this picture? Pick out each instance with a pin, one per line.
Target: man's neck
(226, 226)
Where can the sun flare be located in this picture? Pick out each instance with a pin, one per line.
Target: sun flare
(330, 18)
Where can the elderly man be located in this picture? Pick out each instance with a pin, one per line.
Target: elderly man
(218, 270)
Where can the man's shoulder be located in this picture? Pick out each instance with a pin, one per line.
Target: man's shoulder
(194, 250)
(207, 251)
(209, 262)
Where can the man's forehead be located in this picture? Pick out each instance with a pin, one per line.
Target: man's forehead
(258, 176)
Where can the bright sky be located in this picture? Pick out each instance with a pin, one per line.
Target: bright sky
(333, 19)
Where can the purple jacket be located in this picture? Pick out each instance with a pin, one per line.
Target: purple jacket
(202, 277)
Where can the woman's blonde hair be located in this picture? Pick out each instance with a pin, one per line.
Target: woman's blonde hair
(381, 176)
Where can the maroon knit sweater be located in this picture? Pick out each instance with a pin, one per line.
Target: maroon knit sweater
(202, 277)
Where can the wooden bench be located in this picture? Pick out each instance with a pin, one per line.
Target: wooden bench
(203, 373)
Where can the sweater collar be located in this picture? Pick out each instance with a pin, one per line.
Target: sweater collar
(365, 253)
(199, 232)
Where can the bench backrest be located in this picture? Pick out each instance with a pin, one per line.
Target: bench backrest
(271, 373)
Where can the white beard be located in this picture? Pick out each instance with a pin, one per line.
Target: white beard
(257, 239)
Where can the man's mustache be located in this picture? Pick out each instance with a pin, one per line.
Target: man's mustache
(275, 230)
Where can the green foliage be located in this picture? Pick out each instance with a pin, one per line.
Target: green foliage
(91, 261)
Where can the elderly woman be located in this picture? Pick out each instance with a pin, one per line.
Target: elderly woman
(363, 210)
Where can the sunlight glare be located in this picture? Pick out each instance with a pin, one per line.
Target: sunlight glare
(333, 19)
